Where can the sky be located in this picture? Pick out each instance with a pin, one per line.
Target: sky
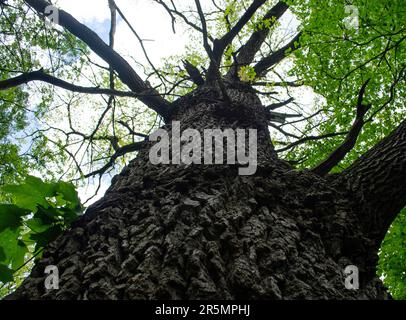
(148, 18)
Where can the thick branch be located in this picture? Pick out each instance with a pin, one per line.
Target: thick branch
(194, 73)
(228, 38)
(140, 40)
(213, 72)
(310, 138)
(280, 117)
(279, 104)
(248, 51)
(40, 75)
(262, 66)
(204, 30)
(219, 45)
(339, 154)
(119, 152)
(124, 70)
(112, 34)
(378, 182)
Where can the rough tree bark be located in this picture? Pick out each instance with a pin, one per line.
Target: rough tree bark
(204, 232)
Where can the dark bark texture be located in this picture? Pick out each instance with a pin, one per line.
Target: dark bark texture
(204, 232)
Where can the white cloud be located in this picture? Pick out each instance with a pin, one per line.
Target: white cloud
(86, 10)
(148, 18)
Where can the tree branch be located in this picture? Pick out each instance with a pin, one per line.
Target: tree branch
(140, 40)
(126, 73)
(131, 131)
(261, 68)
(247, 52)
(278, 84)
(174, 11)
(280, 117)
(112, 34)
(377, 181)
(219, 45)
(310, 138)
(40, 75)
(279, 104)
(339, 154)
(204, 30)
(194, 73)
(213, 72)
(121, 151)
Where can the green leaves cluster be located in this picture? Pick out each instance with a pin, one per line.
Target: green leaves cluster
(27, 45)
(37, 213)
(336, 59)
(392, 258)
(247, 73)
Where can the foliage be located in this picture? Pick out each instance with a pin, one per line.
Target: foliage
(337, 58)
(26, 45)
(36, 213)
(392, 258)
(246, 74)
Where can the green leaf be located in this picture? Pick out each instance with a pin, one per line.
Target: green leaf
(37, 225)
(69, 193)
(19, 255)
(14, 249)
(43, 238)
(31, 193)
(10, 216)
(6, 275)
(69, 215)
(2, 254)
(247, 73)
(48, 215)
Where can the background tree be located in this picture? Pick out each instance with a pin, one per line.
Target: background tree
(250, 64)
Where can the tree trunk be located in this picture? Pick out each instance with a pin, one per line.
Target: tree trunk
(205, 232)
